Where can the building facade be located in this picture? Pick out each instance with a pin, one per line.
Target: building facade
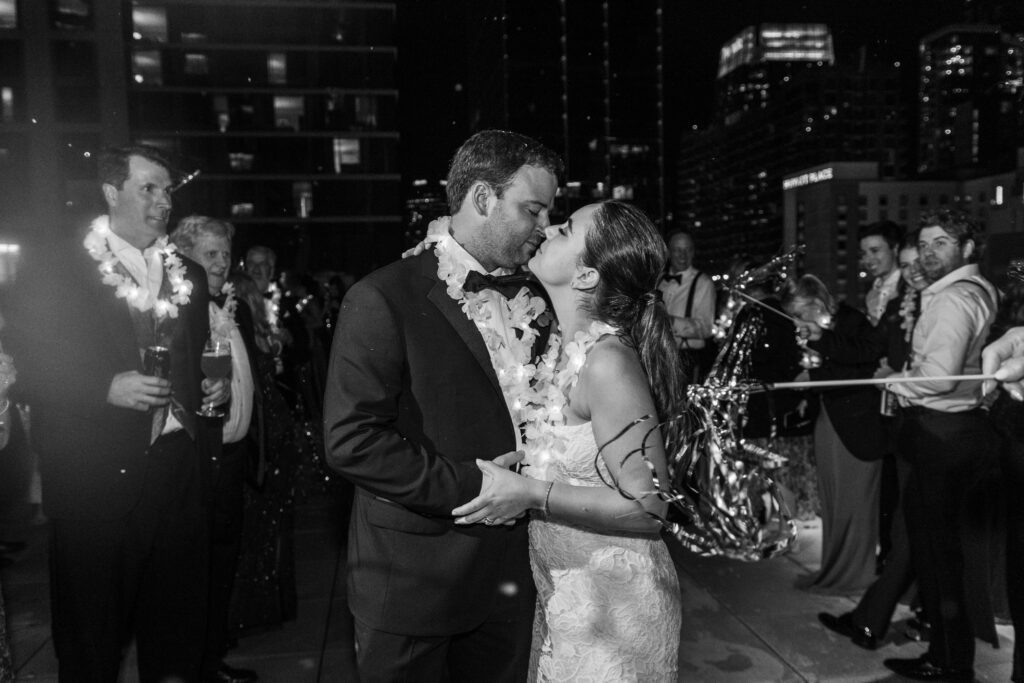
(970, 114)
(288, 110)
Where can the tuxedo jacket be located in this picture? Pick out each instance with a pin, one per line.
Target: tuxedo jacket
(70, 335)
(412, 401)
(851, 350)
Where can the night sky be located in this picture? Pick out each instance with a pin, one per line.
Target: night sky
(433, 65)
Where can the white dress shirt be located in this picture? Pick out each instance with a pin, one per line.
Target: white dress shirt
(948, 339)
(690, 332)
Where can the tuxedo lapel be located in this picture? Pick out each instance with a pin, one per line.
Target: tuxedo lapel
(466, 329)
(116, 318)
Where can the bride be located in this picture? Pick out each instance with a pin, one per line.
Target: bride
(608, 597)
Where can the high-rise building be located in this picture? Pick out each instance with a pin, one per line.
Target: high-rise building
(287, 108)
(62, 97)
(971, 84)
(762, 58)
(730, 177)
(585, 78)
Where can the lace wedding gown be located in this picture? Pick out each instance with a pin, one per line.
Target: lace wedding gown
(608, 603)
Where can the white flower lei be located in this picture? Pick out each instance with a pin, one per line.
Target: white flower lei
(273, 305)
(511, 358)
(126, 288)
(224, 316)
(546, 403)
(907, 307)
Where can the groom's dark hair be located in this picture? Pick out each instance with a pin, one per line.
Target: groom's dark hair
(494, 156)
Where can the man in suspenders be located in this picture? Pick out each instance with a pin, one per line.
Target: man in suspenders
(690, 299)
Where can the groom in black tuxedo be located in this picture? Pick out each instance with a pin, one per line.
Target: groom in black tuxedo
(412, 401)
(123, 452)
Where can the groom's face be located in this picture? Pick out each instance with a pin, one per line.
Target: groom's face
(516, 223)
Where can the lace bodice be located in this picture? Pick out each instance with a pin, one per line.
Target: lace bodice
(598, 592)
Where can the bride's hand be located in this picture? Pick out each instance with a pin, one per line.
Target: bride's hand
(504, 496)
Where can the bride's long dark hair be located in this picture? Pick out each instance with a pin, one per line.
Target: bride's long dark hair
(626, 250)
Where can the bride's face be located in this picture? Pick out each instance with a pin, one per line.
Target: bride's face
(558, 259)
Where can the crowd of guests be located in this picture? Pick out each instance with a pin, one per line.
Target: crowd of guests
(169, 528)
(910, 473)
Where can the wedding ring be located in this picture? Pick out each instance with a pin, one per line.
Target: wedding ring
(488, 521)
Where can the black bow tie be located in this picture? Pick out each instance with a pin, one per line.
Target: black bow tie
(677, 278)
(506, 285)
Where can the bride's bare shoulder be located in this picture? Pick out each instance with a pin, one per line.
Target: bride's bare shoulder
(611, 363)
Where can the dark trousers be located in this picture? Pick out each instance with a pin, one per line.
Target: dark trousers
(1013, 477)
(876, 606)
(143, 574)
(951, 455)
(226, 516)
(497, 651)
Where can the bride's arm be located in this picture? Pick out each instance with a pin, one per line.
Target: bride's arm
(612, 392)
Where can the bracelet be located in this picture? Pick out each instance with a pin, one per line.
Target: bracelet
(547, 498)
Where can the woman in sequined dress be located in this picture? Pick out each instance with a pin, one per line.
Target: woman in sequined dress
(603, 575)
(265, 584)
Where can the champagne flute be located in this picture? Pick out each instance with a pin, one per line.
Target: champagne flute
(216, 364)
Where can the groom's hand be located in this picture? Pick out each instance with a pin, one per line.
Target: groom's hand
(504, 496)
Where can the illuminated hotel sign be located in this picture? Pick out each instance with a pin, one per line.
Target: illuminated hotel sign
(807, 178)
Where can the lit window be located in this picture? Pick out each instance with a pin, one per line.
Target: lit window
(346, 153)
(241, 161)
(241, 209)
(149, 23)
(8, 14)
(288, 112)
(303, 195)
(277, 68)
(147, 67)
(10, 255)
(71, 14)
(366, 110)
(196, 64)
(6, 104)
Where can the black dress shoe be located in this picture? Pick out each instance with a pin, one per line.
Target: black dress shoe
(921, 669)
(843, 625)
(229, 674)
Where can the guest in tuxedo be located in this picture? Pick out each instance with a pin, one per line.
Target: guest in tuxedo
(207, 241)
(879, 244)
(122, 449)
(413, 400)
(689, 297)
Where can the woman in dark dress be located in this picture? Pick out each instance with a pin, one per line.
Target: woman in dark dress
(265, 583)
(847, 441)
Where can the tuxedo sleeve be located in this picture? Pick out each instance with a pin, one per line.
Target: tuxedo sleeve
(366, 387)
(51, 339)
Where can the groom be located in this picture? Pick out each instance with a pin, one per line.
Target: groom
(412, 400)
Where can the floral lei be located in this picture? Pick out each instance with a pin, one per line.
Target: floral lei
(908, 305)
(126, 288)
(512, 357)
(224, 316)
(549, 396)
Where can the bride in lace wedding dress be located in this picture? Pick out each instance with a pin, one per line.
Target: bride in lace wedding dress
(608, 598)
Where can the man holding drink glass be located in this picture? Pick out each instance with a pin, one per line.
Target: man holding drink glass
(111, 333)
